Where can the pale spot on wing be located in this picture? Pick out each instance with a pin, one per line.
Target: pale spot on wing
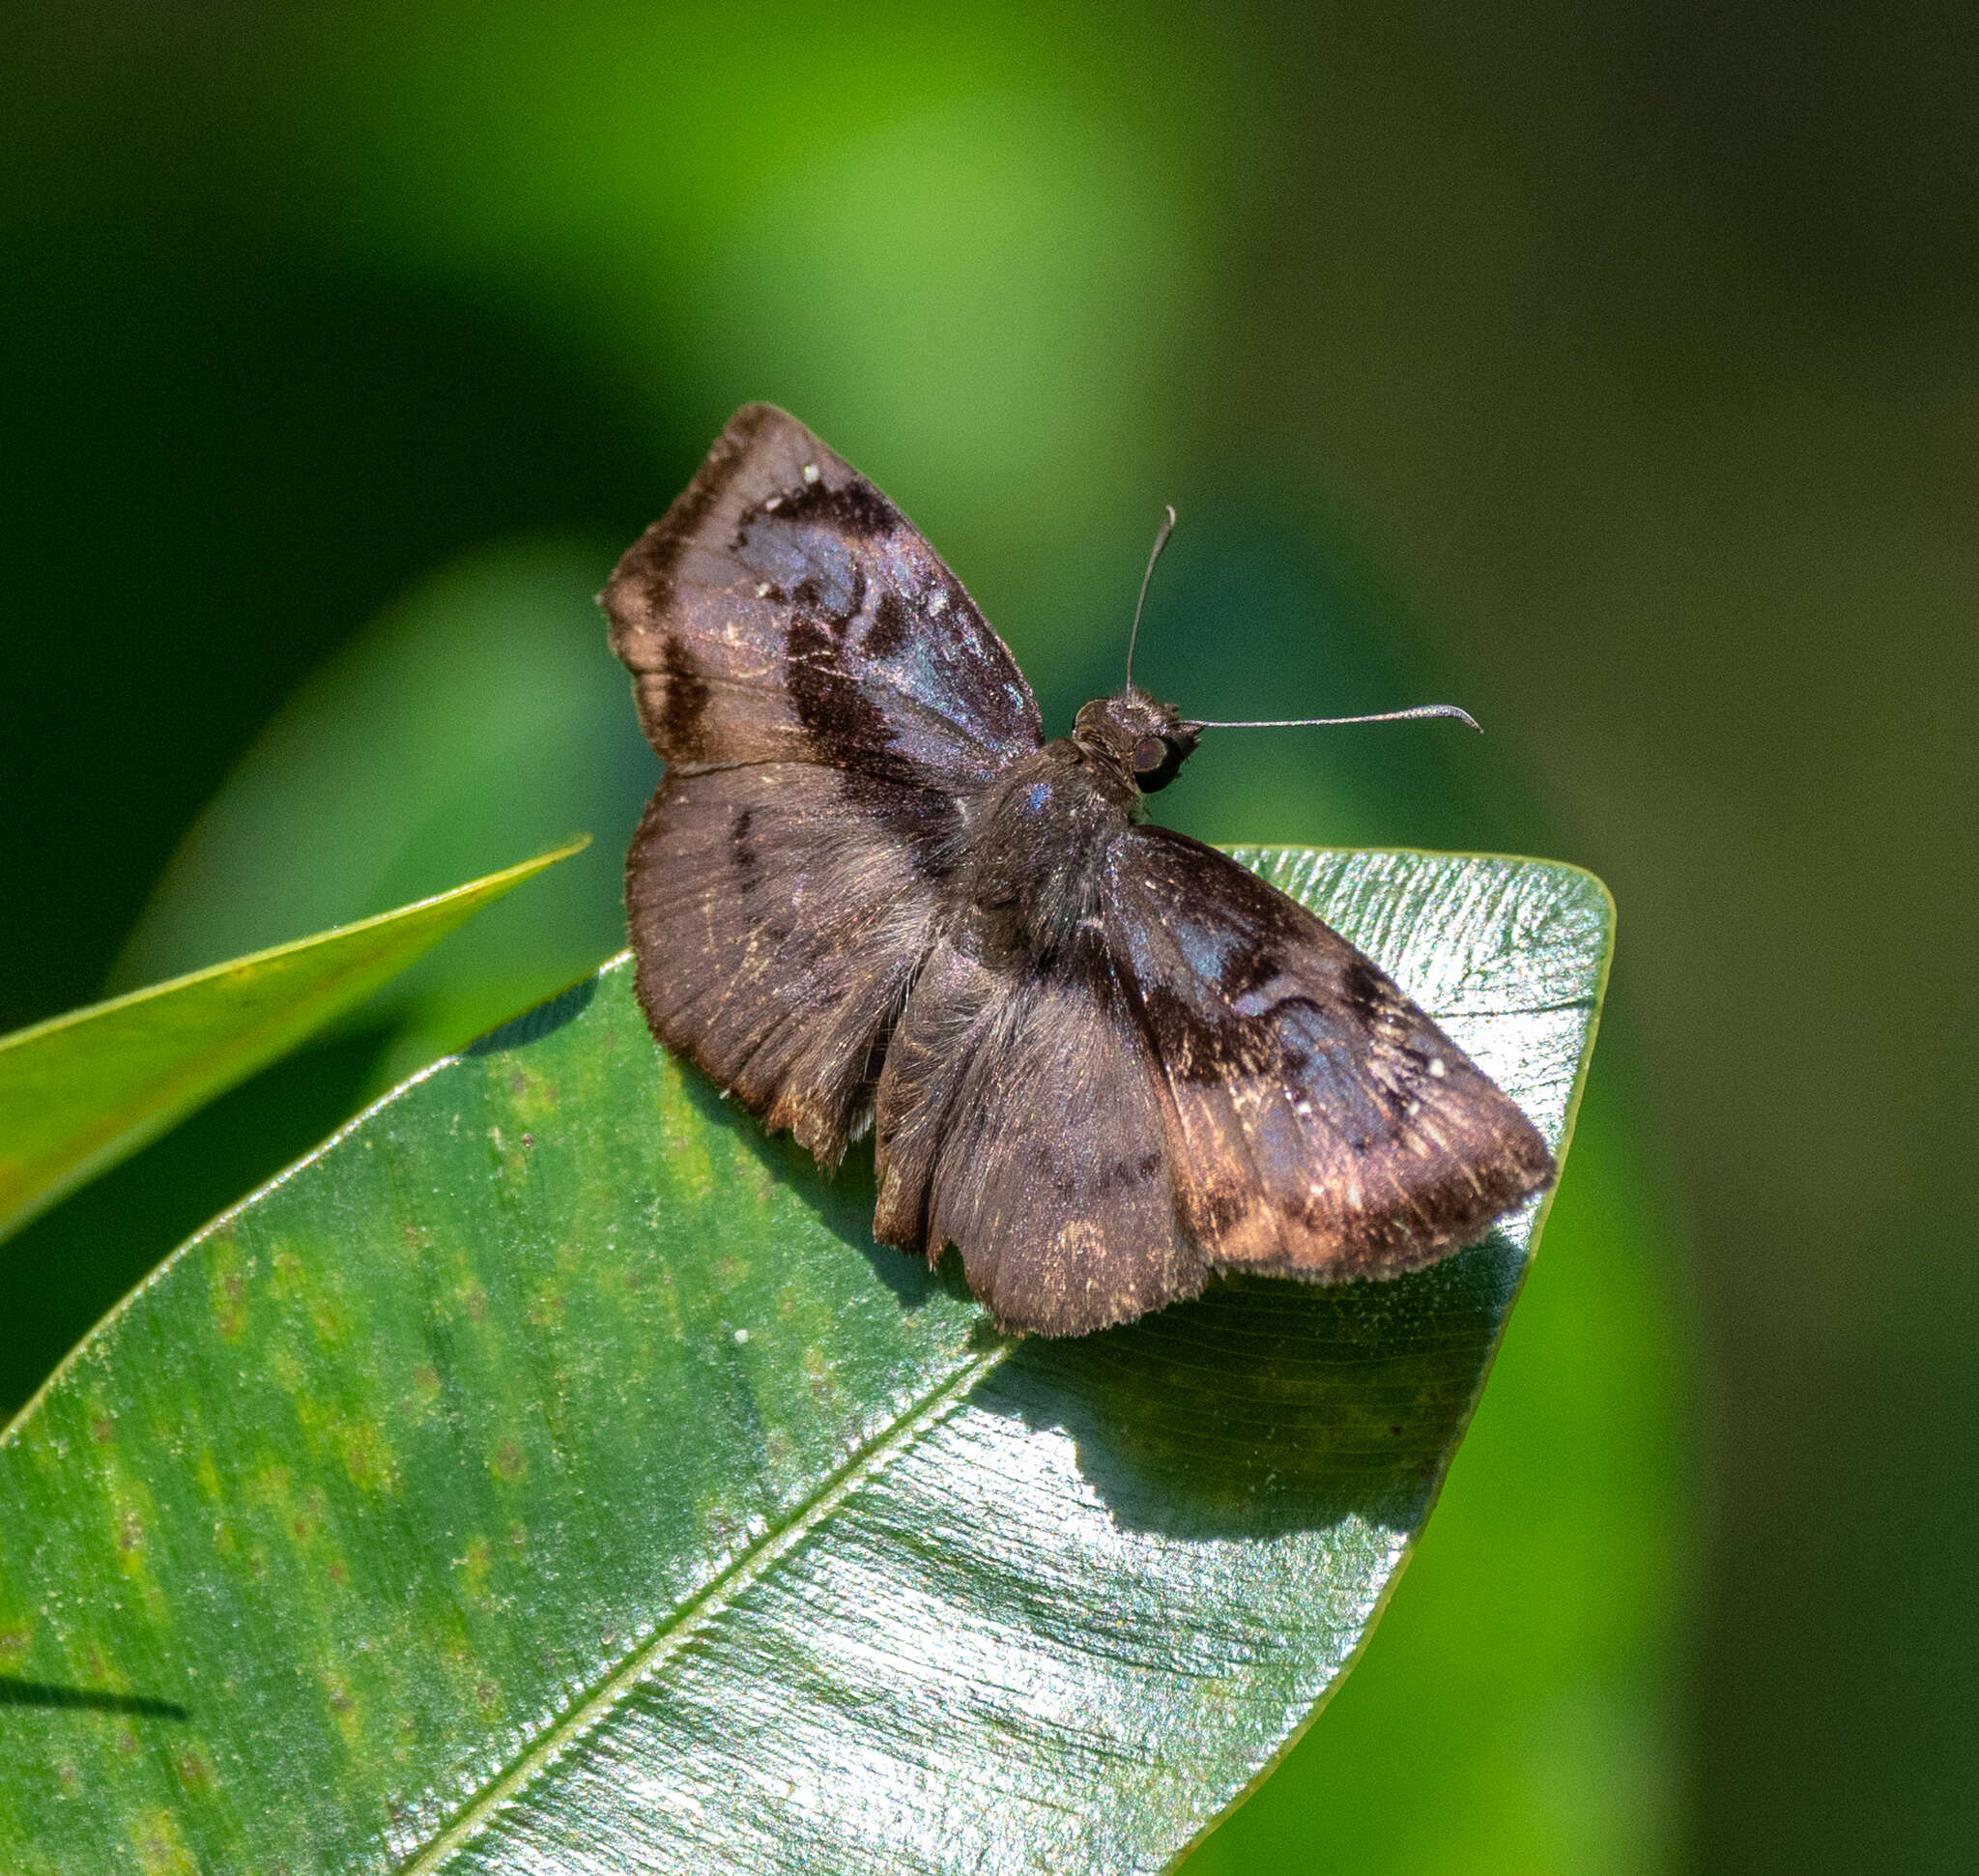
(938, 603)
(811, 471)
(762, 588)
(774, 502)
(1080, 1237)
(1436, 1067)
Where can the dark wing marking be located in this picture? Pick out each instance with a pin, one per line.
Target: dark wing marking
(778, 913)
(1018, 1117)
(1207, 1077)
(1318, 1124)
(784, 610)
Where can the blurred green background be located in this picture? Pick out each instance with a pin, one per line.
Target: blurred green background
(1614, 372)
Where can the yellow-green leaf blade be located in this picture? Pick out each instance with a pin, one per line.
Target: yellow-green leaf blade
(83, 1090)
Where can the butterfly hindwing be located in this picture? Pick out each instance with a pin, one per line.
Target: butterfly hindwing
(778, 913)
(1019, 1117)
(784, 610)
(1318, 1124)
(1211, 1078)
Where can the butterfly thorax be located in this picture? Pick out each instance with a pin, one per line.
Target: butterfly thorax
(1040, 833)
(1037, 843)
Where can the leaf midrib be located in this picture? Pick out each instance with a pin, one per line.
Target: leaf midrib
(694, 1614)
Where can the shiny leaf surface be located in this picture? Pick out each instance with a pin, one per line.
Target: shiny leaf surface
(551, 1473)
(88, 1088)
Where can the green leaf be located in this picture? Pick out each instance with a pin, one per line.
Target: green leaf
(83, 1090)
(551, 1473)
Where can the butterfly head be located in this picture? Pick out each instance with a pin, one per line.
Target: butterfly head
(1146, 737)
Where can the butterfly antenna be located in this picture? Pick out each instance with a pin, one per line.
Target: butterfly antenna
(1167, 527)
(1329, 722)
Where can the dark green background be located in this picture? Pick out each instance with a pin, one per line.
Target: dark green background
(1612, 371)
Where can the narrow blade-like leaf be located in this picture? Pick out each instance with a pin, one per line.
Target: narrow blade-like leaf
(550, 1473)
(83, 1090)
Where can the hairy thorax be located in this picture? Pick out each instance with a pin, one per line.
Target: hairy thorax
(1040, 836)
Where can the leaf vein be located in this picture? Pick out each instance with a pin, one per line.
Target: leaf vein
(696, 1615)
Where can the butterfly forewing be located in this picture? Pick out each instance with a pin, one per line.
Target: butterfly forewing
(784, 610)
(1319, 1124)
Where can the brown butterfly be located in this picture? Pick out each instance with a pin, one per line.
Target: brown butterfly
(1098, 1057)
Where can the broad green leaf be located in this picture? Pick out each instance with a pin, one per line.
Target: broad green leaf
(551, 1473)
(83, 1090)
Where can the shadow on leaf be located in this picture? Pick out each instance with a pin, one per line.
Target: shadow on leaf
(843, 1202)
(1261, 1409)
(1268, 1406)
(47, 1693)
(544, 1020)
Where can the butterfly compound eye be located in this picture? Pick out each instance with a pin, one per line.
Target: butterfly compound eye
(1149, 754)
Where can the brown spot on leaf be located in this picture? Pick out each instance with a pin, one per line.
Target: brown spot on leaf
(194, 1772)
